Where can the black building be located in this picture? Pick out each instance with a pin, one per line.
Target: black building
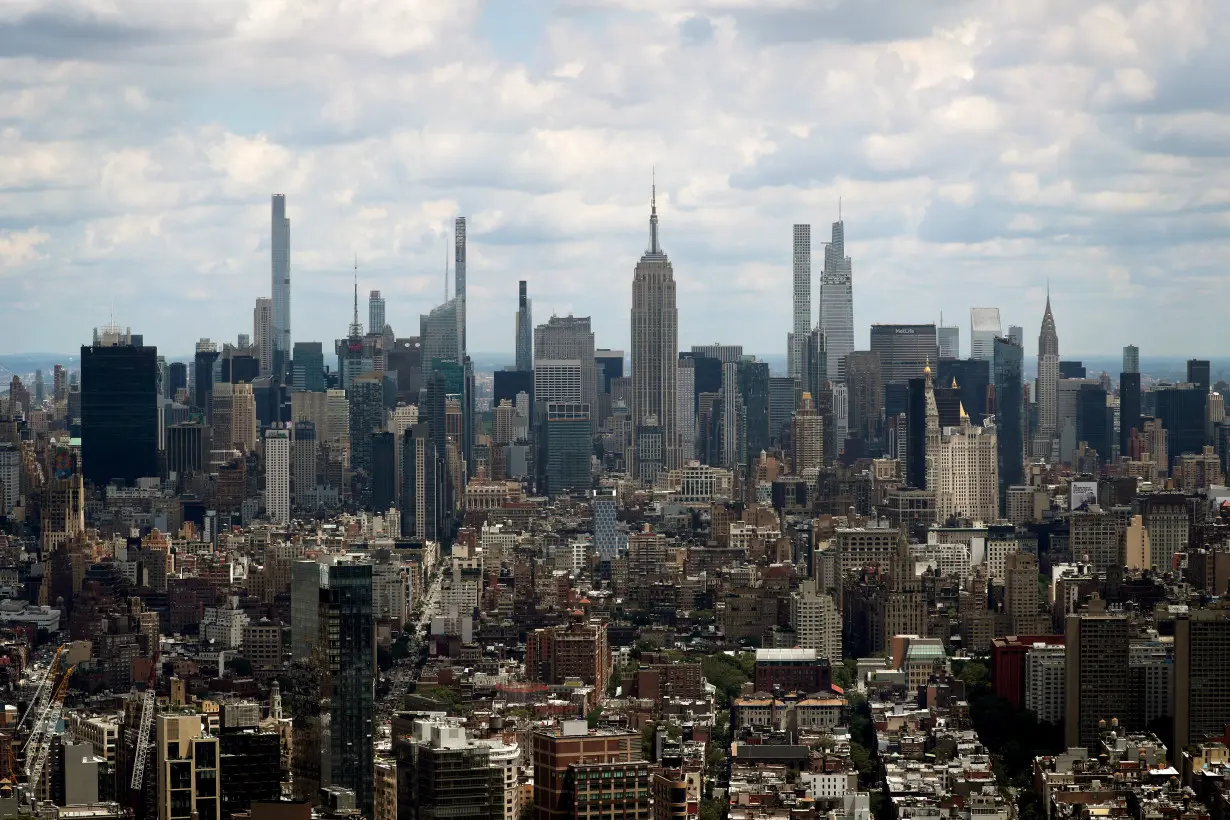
(1072, 370)
(203, 378)
(1094, 424)
(250, 769)
(119, 413)
(916, 433)
(708, 376)
(610, 366)
(177, 377)
(972, 377)
(187, 445)
(384, 470)
(1199, 373)
(240, 369)
(753, 380)
(1009, 415)
(308, 366)
(1181, 410)
(1129, 408)
(508, 383)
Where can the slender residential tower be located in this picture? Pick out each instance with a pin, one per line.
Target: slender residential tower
(459, 274)
(525, 331)
(796, 344)
(279, 244)
(1048, 383)
(837, 303)
(655, 345)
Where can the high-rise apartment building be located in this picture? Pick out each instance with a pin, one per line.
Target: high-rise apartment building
(1045, 672)
(1131, 359)
(962, 465)
(347, 638)
(119, 408)
(262, 334)
(837, 303)
(459, 279)
(655, 344)
(244, 422)
(797, 340)
(1201, 676)
(589, 773)
(1096, 687)
(1048, 385)
(279, 243)
(816, 621)
(579, 650)
(524, 330)
(984, 330)
(806, 438)
(277, 474)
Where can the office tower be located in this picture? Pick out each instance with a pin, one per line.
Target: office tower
(797, 339)
(459, 276)
(1201, 682)
(558, 380)
(347, 638)
(277, 474)
(726, 354)
(384, 471)
(1072, 370)
(948, 338)
(569, 445)
(365, 398)
(1131, 359)
(964, 464)
(59, 384)
(524, 330)
(687, 409)
(187, 770)
(222, 417)
(606, 535)
(781, 405)
(972, 377)
(753, 380)
(508, 383)
(655, 344)
(837, 303)
(442, 773)
(610, 364)
(1181, 410)
(375, 313)
(815, 366)
(1021, 600)
(304, 450)
(309, 367)
(440, 333)
(279, 244)
(1129, 407)
(1167, 522)
(806, 437)
(816, 621)
(866, 394)
(1094, 422)
(250, 770)
(1096, 687)
(984, 330)
(244, 423)
(1048, 384)
(582, 772)
(1016, 335)
(904, 350)
(1008, 366)
(203, 375)
(731, 418)
(38, 387)
(570, 338)
(119, 409)
(263, 332)
(1198, 373)
(186, 448)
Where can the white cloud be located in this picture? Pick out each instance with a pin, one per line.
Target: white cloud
(19, 248)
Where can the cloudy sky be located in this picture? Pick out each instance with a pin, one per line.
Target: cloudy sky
(979, 147)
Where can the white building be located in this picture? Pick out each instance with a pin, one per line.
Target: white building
(557, 380)
(1045, 666)
(224, 626)
(816, 621)
(277, 474)
(837, 304)
(962, 466)
(984, 330)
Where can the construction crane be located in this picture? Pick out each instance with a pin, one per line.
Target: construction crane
(43, 690)
(35, 772)
(147, 723)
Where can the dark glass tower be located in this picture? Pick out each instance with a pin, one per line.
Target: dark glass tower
(119, 413)
(972, 377)
(569, 446)
(754, 388)
(1092, 423)
(178, 377)
(1181, 410)
(1199, 373)
(1129, 408)
(384, 470)
(203, 381)
(347, 633)
(1009, 414)
(308, 366)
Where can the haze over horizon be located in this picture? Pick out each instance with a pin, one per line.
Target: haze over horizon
(977, 148)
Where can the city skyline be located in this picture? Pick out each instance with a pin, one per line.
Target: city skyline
(950, 172)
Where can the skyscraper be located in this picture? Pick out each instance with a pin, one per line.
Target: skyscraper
(1048, 384)
(1096, 688)
(837, 303)
(984, 330)
(279, 243)
(375, 312)
(1198, 373)
(119, 408)
(347, 635)
(962, 461)
(655, 343)
(309, 366)
(1129, 406)
(802, 301)
(949, 339)
(569, 445)
(1008, 367)
(904, 351)
(1131, 359)
(262, 333)
(277, 475)
(524, 331)
(459, 275)
(570, 338)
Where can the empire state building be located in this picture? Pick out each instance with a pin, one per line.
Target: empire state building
(655, 356)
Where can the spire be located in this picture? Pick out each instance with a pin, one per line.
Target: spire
(356, 329)
(653, 213)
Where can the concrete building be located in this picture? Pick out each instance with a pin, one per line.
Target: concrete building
(1095, 684)
(1045, 674)
(1201, 676)
(589, 773)
(187, 760)
(277, 474)
(816, 621)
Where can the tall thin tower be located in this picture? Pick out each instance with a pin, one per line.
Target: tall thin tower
(655, 343)
(796, 344)
(837, 303)
(524, 331)
(1048, 382)
(459, 273)
(279, 244)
